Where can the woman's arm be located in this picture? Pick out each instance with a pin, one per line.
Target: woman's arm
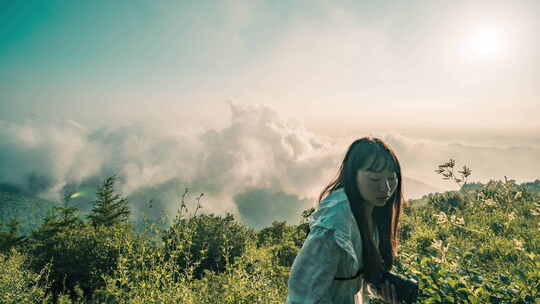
(314, 268)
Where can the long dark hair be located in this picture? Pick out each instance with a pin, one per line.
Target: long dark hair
(372, 154)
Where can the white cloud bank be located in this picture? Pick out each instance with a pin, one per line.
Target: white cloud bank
(259, 167)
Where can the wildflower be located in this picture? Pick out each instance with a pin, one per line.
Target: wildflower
(536, 211)
(438, 260)
(519, 244)
(437, 244)
(489, 202)
(441, 217)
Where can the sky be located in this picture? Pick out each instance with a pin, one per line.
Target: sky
(255, 102)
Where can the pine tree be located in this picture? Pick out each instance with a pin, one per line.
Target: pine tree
(59, 219)
(109, 208)
(10, 238)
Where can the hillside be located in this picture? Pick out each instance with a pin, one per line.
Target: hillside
(28, 210)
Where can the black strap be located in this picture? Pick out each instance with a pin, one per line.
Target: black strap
(350, 278)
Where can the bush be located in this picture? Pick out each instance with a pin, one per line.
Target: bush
(476, 247)
(208, 239)
(284, 253)
(253, 278)
(448, 202)
(79, 257)
(145, 275)
(19, 285)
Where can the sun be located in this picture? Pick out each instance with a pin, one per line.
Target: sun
(483, 43)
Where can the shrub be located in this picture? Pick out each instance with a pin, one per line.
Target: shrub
(208, 239)
(79, 257)
(448, 202)
(19, 285)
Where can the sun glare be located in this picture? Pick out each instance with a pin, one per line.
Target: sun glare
(483, 43)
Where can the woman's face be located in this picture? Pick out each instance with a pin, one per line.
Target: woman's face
(376, 187)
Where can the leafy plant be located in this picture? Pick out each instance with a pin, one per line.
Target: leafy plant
(447, 171)
(202, 239)
(18, 284)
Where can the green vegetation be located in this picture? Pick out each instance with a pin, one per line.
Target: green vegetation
(480, 244)
(533, 187)
(28, 211)
(109, 208)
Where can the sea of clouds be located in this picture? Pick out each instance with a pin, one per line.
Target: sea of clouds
(260, 167)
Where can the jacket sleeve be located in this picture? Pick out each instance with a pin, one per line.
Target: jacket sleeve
(314, 268)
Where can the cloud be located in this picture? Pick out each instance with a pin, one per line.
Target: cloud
(258, 149)
(47, 154)
(261, 149)
(259, 166)
(419, 157)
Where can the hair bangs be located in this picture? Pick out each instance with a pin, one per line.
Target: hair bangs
(382, 162)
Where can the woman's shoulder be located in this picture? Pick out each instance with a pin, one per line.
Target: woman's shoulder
(333, 212)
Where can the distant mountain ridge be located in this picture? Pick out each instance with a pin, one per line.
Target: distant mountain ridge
(415, 189)
(28, 210)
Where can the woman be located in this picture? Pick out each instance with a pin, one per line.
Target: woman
(342, 260)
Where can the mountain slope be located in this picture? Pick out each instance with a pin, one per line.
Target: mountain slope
(29, 211)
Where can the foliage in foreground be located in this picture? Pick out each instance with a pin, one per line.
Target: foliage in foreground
(476, 245)
(17, 283)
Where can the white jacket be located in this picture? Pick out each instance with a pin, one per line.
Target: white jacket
(333, 248)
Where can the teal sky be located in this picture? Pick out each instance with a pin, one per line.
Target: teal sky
(379, 64)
